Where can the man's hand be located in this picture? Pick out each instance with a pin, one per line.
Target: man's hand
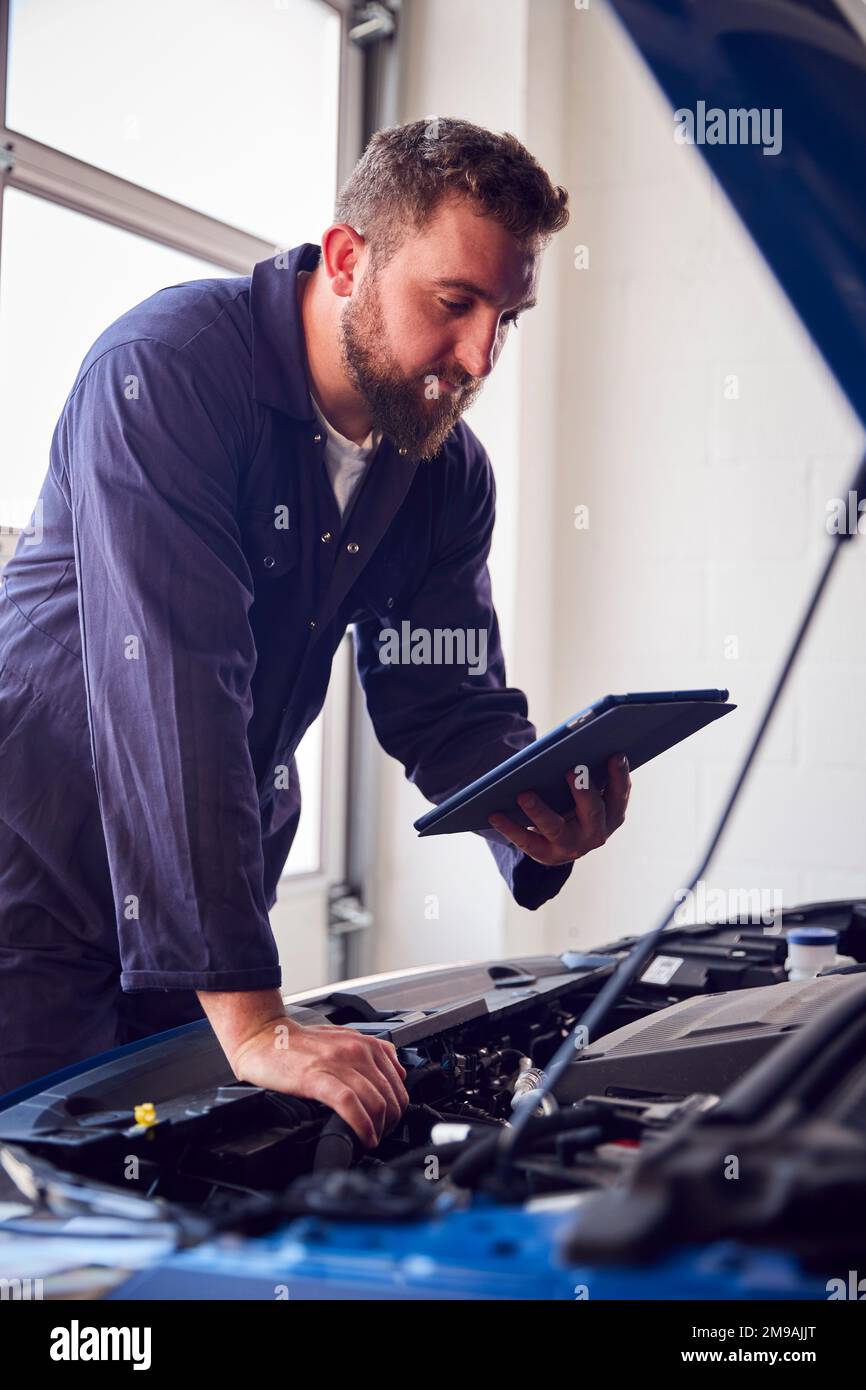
(558, 839)
(357, 1076)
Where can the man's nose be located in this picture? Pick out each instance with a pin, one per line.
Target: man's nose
(477, 351)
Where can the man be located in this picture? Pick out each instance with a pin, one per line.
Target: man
(242, 468)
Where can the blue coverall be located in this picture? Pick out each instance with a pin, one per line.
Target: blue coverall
(168, 640)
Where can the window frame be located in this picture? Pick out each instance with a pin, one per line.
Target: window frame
(61, 178)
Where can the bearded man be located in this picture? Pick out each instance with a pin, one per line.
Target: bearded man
(243, 468)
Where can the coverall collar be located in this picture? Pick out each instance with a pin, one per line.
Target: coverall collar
(280, 367)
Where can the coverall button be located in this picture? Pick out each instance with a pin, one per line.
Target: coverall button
(402, 452)
(353, 547)
(269, 562)
(313, 624)
(390, 603)
(317, 439)
(326, 536)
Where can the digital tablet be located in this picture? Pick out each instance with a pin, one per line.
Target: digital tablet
(640, 725)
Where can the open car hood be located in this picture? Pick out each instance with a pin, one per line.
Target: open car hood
(805, 206)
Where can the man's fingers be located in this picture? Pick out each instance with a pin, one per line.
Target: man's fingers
(359, 1077)
(377, 1106)
(392, 1051)
(346, 1102)
(590, 813)
(557, 839)
(375, 1044)
(399, 1094)
(536, 846)
(386, 1055)
(546, 820)
(380, 1068)
(617, 791)
(370, 1060)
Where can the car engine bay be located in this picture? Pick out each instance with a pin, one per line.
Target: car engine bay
(167, 1132)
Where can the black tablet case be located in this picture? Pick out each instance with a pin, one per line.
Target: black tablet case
(641, 731)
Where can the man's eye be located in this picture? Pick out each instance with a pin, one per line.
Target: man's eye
(457, 308)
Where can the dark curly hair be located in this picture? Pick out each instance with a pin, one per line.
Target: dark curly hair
(406, 171)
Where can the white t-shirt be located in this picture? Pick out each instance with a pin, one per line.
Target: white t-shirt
(345, 461)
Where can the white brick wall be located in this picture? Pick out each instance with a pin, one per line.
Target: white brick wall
(707, 516)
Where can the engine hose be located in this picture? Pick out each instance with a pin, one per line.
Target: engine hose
(480, 1156)
(336, 1146)
(294, 1107)
(452, 1149)
(417, 1158)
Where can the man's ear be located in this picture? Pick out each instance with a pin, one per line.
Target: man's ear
(343, 251)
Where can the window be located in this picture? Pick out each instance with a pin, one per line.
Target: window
(226, 106)
(142, 146)
(63, 279)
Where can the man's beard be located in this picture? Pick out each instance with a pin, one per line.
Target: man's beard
(398, 404)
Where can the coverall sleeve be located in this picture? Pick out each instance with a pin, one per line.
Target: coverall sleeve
(151, 451)
(446, 724)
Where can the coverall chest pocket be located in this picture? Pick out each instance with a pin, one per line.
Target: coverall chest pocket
(272, 549)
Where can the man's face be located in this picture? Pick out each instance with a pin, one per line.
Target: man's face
(417, 327)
